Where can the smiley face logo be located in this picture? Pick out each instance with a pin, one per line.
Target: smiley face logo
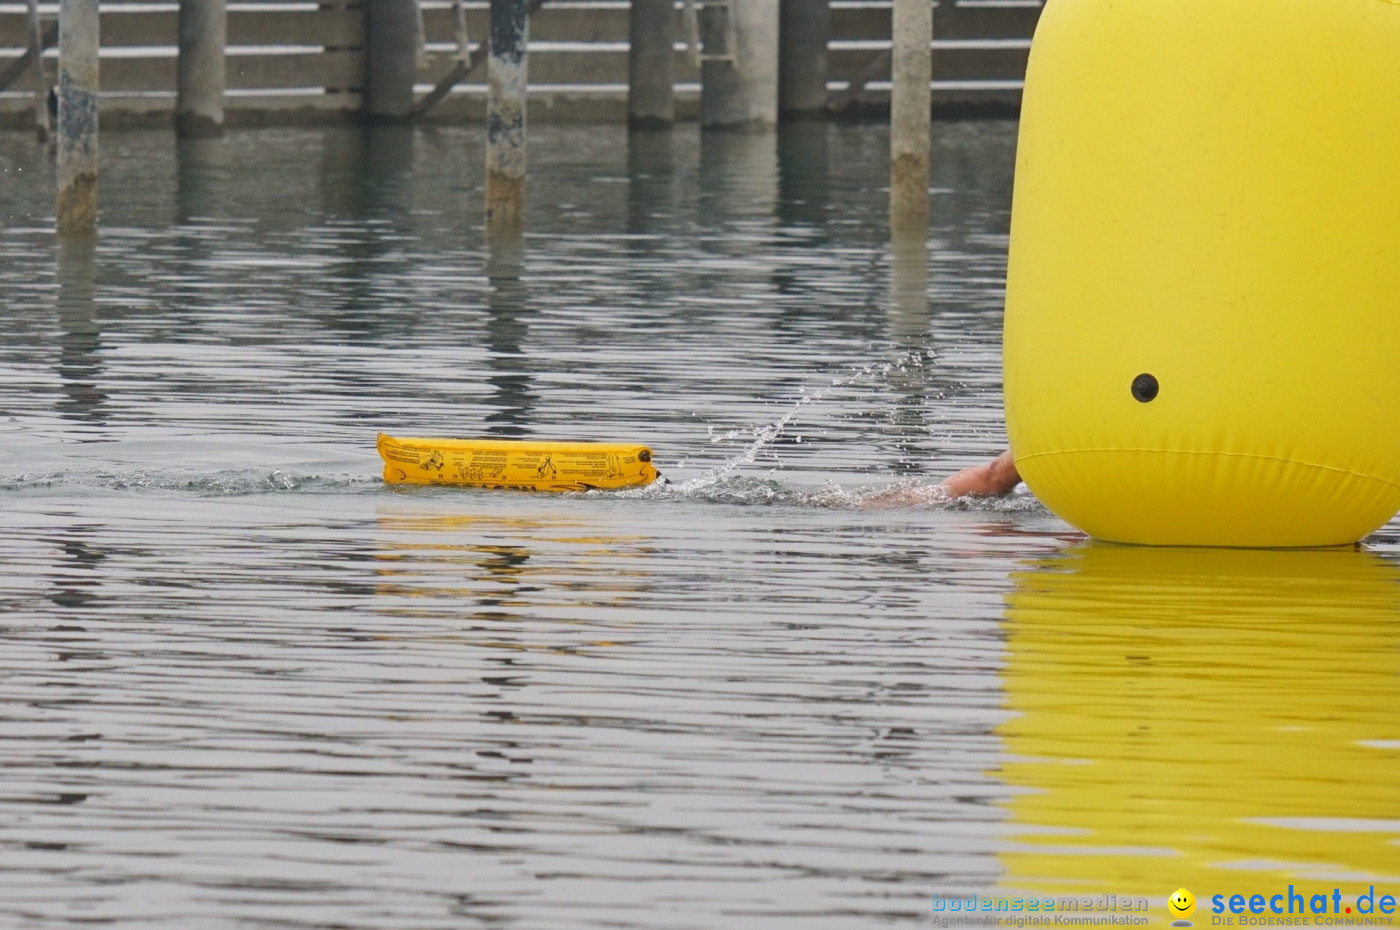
(1181, 903)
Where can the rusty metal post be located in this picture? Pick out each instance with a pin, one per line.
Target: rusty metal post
(910, 101)
(78, 41)
(199, 69)
(507, 98)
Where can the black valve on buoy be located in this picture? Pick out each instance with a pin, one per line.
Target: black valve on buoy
(1144, 387)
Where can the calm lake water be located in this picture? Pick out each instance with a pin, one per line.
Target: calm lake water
(245, 684)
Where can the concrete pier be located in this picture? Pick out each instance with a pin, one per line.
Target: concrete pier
(912, 65)
(78, 40)
(298, 63)
(41, 86)
(651, 51)
(391, 30)
(507, 98)
(739, 71)
(199, 72)
(805, 28)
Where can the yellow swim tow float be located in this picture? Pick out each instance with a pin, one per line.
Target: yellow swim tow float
(521, 464)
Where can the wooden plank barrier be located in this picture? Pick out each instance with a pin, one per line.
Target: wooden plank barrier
(293, 61)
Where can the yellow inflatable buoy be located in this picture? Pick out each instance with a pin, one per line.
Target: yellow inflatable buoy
(1202, 341)
(522, 464)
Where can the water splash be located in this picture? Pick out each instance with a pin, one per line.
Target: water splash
(727, 484)
(903, 495)
(760, 438)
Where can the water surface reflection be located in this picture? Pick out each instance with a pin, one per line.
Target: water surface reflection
(1221, 720)
(246, 685)
(80, 336)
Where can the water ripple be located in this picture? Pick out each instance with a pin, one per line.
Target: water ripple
(245, 684)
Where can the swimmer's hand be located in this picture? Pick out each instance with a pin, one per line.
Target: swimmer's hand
(997, 478)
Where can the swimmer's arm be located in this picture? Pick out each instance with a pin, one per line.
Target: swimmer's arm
(994, 479)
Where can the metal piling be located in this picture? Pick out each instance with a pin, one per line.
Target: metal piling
(392, 41)
(199, 71)
(651, 30)
(910, 101)
(804, 30)
(78, 41)
(507, 99)
(41, 89)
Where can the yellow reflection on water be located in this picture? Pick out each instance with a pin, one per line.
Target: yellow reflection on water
(497, 568)
(1223, 720)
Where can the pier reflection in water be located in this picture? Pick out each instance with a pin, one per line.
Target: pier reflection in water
(80, 337)
(1217, 720)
